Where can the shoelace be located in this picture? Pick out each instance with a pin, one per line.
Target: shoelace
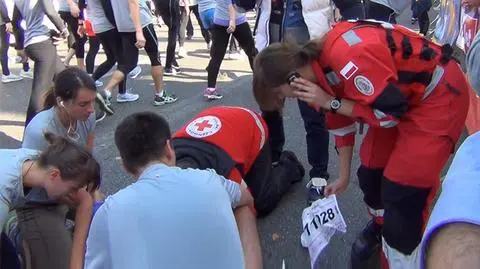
(318, 184)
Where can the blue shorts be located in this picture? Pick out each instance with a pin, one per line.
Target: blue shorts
(207, 18)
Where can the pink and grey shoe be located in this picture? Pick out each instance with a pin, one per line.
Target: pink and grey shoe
(212, 94)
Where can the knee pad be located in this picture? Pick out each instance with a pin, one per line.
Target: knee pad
(403, 217)
(370, 182)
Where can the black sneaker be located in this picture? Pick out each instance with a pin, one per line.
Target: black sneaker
(100, 115)
(170, 72)
(164, 99)
(290, 156)
(366, 245)
(104, 104)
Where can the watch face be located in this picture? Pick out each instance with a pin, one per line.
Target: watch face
(335, 104)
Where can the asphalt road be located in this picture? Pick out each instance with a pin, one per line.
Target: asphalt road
(280, 232)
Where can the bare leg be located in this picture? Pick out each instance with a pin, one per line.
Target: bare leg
(117, 77)
(81, 63)
(157, 75)
(247, 226)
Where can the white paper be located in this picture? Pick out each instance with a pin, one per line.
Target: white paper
(320, 222)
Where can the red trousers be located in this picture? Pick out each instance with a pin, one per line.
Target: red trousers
(401, 166)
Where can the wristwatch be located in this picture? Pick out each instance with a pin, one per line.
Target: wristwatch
(335, 105)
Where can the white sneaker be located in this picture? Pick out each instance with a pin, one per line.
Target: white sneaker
(11, 78)
(182, 53)
(236, 56)
(135, 72)
(127, 97)
(27, 74)
(98, 83)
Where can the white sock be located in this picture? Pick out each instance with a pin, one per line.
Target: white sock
(159, 93)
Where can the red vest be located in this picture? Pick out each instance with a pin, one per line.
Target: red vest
(240, 132)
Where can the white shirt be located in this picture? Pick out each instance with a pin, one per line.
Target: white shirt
(170, 218)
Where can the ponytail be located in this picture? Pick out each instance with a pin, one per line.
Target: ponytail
(48, 99)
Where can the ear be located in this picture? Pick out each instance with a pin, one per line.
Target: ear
(170, 152)
(54, 174)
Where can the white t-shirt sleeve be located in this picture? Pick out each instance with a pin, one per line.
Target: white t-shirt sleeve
(98, 255)
(233, 189)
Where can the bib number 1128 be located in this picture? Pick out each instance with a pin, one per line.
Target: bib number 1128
(320, 219)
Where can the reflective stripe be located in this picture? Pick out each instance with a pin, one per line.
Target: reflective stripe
(379, 114)
(332, 78)
(388, 123)
(436, 77)
(399, 260)
(344, 131)
(351, 38)
(259, 125)
(376, 212)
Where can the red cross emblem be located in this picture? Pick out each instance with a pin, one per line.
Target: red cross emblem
(201, 126)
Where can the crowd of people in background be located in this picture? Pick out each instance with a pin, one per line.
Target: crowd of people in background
(357, 67)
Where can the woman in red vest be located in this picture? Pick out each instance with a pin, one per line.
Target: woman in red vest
(412, 95)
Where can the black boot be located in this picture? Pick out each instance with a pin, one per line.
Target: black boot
(366, 245)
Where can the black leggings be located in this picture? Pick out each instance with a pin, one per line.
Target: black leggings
(185, 19)
(170, 12)
(47, 65)
(75, 41)
(94, 47)
(4, 44)
(220, 39)
(130, 51)
(112, 46)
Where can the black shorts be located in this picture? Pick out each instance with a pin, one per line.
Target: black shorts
(130, 51)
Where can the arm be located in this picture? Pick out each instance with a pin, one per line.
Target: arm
(4, 12)
(52, 14)
(82, 225)
(238, 193)
(91, 142)
(134, 9)
(247, 227)
(97, 254)
(17, 29)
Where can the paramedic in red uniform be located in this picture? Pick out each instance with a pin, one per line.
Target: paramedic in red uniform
(410, 93)
(234, 142)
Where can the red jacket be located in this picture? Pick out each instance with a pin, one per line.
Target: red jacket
(384, 68)
(240, 132)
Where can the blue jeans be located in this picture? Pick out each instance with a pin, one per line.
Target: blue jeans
(314, 121)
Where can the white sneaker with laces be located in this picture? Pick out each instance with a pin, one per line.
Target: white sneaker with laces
(127, 97)
(10, 78)
(135, 72)
(182, 53)
(27, 74)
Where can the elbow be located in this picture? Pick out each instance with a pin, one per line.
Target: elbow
(392, 101)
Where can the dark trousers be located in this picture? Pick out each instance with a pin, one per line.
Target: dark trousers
(4, 44)
(47, 65)
(170, 12)
(380, 12)
(350, 9)
(220, 39)
(317, 137)
(75, 41)
(185, 21)
(94, 47)
(112, 46)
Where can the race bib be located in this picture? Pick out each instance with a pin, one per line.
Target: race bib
(320, 222)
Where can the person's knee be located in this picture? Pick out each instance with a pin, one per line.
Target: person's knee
(369, 180)
(403, 217)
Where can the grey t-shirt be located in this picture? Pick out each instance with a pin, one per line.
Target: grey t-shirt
(63, 5)
(122, 15)
(97, 17)
(11, 181)
(48, 121)
(40, 16)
